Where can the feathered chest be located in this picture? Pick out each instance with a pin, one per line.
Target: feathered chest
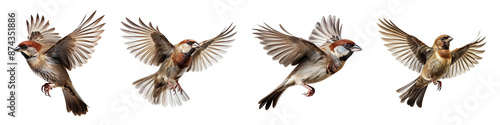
(175, 67)
(45, 68)
(437, 65)
(181, 60)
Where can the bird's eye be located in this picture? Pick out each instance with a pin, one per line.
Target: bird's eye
(347, 45)
(24, 47)
(190, 43)
(443, 38)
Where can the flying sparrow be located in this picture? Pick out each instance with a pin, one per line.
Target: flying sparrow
(153, 48)
(49, 56)
(433, 63)
(318, 58)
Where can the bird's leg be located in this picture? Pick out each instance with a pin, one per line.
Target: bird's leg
(46, 87)
(172, 87)
(179, 86)
(438, 83)
(310, 91)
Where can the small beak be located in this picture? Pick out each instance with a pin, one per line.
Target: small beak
(17, 49)
(450, 39)
(356, 48)
(195, 45)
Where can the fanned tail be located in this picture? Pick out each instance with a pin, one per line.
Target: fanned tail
(160, 93)
(414, 94)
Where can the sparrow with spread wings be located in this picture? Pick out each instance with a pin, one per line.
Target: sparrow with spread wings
(318, 58)
(433, 63)
(49, 56)
(152, 47)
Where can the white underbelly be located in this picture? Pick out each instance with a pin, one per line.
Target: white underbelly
(309, 73)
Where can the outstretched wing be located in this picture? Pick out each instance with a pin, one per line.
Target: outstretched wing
(408, 49)
(464, 58)
(75, 48)
(147, 43)
(327, 31)
(211, 50)
(288, 49)
(40, 32)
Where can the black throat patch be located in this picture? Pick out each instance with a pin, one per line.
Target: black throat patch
(344, 58)
(25, 56)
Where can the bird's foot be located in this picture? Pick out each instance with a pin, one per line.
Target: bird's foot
(180, 88)
(173, 87)
(438, 83)
(310, 91)
(170, 85)
(46, 87)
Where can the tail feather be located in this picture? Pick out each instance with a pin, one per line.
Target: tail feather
(414, 94)
(273, 97)
(159, 93)
(74, 103)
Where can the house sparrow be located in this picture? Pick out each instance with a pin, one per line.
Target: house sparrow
(324, 54)
(49, 56)
(152, 47)
(433, 63)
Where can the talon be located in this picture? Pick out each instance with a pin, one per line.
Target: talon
(179, 87)
(439, 84)
(45, 89)
(310, 91)
(172, 87)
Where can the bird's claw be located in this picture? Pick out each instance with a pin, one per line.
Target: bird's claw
(439, 84)
(310, 91)
(172, 87)
(45, 89)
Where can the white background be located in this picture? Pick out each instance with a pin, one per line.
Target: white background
(363, 92)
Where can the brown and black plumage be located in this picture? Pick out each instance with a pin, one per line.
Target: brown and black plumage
(153, 48)
(433, 63)
(316, 59)
(50, 56)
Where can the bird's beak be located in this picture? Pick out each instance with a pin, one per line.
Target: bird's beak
(356, 48)
(196, 45)
(16, 49)
(447, 42)
(450, 39)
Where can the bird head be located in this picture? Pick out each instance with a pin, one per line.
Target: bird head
(28, 49)
(443, 42)
(344, 48)
(188, 46)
